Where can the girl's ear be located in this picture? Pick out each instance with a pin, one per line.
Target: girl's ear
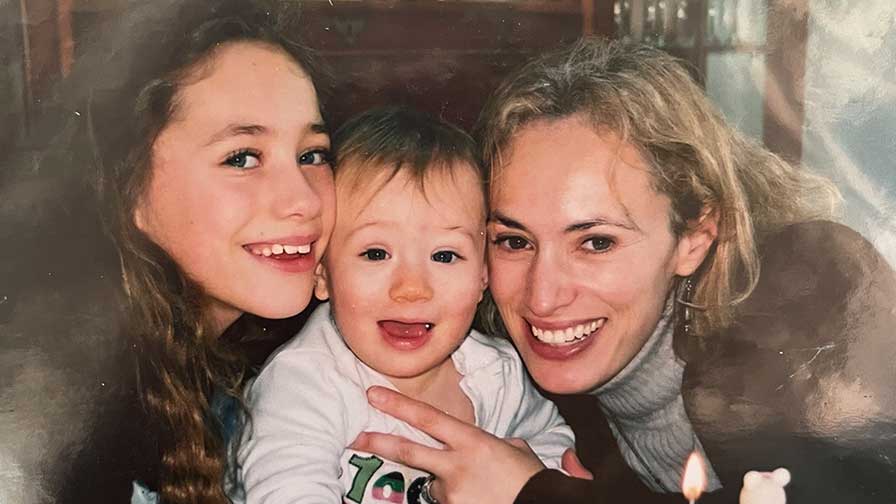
(321, 291)
(138, 217)
(697, 241)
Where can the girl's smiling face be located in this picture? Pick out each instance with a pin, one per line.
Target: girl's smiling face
(241, 191)
(581, 254)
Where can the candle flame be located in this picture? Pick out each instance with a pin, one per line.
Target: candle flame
(694, 481)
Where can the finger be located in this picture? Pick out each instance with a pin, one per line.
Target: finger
(572, 465)
(435, 490)
(399, 449)
(439, 425)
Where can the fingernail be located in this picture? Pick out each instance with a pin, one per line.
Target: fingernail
(376, 396)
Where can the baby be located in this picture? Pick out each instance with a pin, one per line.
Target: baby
(404, 272)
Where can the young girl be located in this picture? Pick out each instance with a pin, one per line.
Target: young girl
(404, 274)
(200, 130)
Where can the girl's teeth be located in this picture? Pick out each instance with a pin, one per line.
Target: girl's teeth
(278, 249)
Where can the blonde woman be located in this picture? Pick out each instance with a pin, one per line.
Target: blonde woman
(681, 285)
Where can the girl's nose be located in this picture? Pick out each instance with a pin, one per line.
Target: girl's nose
(295, 190)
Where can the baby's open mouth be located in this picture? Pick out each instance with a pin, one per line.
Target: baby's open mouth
(400, 329)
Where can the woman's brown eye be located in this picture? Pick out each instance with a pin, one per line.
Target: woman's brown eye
(511, 242)
(599, 243)
(516, 243)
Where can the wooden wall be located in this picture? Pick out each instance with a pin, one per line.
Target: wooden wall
(441, 56)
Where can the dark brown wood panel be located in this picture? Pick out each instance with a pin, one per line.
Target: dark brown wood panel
(13, 121)
(442, 57)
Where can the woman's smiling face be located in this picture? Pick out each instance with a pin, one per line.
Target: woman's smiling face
(241, 191)
(581, 253)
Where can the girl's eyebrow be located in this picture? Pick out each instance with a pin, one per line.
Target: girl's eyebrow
(235, 129)
(318, 128)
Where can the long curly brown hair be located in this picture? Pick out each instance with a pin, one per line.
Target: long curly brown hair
(128, 92)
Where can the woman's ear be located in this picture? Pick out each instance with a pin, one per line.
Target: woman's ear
(321, 291)
(697, 240)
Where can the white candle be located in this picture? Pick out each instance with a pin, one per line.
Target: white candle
(765, 487)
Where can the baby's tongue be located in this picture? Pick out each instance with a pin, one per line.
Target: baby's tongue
(402, 329)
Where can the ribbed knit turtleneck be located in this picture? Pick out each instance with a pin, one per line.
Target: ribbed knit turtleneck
(646, 413)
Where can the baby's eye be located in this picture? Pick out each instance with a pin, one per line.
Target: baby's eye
(375, 254)
(445, 256)
(511, 242)
(244, 159)
(314, 157)
(598, 244)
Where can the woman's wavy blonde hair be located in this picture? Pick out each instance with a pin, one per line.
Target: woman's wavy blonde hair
(699, 161)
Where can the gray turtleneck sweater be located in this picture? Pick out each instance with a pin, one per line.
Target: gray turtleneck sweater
(644, 407)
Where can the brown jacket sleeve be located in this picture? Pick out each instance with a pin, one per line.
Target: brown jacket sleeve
(553, 487)
(613, 480)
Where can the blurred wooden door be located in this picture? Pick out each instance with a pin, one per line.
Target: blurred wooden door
(13, 73)
(441, 56)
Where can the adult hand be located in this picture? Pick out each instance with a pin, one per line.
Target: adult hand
(473, 466)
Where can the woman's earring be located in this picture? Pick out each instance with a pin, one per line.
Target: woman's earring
(686, 301)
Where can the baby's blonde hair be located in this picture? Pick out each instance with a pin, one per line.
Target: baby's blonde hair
(375, 146)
